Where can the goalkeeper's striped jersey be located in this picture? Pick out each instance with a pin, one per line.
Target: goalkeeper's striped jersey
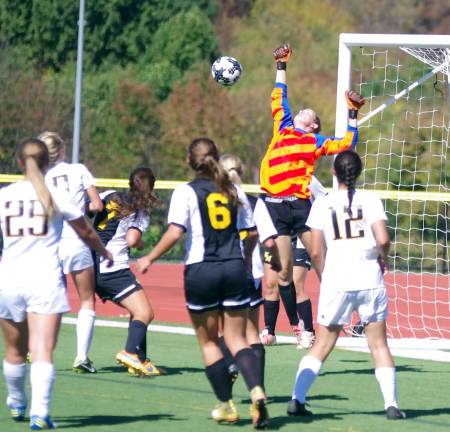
(288, 164)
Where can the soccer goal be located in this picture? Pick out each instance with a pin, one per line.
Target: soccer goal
(404, 144)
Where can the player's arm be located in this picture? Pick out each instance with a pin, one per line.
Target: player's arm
(332, 145)
(381, 235)
(87, 233)
(249, 243)
(170, 237)
(95, 204)
(133, 238)
(281, 112)
(318, 250)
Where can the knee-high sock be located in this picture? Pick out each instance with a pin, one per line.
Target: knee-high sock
(388, 385)
(42, 376)
(229, 360)
(15, 383)
(85, 329)
(288, 297)
(260, 364)
(246, 360)
(271, 309)
(308, 369)
(220, 380)
(137, 339)
(304, 312)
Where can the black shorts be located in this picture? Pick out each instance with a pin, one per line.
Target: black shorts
(213, 285)
(255, 291)
(288, 216)
(117, 285)
(302, 258)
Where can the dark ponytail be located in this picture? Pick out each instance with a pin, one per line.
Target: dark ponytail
(203, 157)
(348, 167)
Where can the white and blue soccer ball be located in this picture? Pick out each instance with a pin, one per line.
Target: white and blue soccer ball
(226, 70)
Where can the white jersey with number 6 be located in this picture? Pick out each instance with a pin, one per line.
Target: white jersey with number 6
(351, 253)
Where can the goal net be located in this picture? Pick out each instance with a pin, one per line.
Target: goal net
(404, 144)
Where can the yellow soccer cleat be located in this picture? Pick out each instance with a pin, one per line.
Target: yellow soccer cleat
(258, 409)
(128, 360)
(225, 412)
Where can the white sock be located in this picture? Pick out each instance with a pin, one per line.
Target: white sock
(42, 376)
(308, 369)
(388, 385)
(85, 329)
(15, 383)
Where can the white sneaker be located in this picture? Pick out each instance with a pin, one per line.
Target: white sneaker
(307, 339)
(267, 338)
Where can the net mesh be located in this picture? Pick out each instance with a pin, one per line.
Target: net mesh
(435, 57)
(405, 149)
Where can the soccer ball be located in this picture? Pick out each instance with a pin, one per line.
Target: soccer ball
(226, 70)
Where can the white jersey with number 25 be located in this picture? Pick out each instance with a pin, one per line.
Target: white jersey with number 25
(351, 252)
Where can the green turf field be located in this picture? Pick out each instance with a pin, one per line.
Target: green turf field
(344, 398)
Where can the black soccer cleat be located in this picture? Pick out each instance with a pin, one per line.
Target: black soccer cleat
(295, 408)
(393, 413)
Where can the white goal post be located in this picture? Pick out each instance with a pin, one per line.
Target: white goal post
(404, 144)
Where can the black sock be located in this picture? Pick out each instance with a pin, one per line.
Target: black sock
(288, 296)
(260, 364)
(246, 360)
(229, 360)
(304, 310)
(219, 379)
(137, 339)
(271, 309)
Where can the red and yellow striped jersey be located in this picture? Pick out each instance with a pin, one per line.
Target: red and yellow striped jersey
(288, 164)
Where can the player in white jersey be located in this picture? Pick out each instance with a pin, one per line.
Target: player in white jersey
(350, 246)
(267, 233)
(120, 226)
(76, 257)
(33, 291)
(295, 300)
(215, 278)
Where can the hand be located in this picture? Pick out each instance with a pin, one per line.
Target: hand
(384, 266)
(109, 259)
(354, 100)
(283, 53)
(143, 264)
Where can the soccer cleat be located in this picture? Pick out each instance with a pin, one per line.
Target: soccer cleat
(83, 366)
(149, 369)
(41, 423)
(307, 339)
(267, 338)
(17, 412)
(128, 360)
(258, 409)
(393, 413)
(225, 412)
(295, 408)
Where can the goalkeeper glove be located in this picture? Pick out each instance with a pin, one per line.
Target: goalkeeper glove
(282, 55)
(354, 102)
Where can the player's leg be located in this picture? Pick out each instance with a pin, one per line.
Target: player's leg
(84, 281)
(253, 339)
(310, 366)
(206, 326)
(43, 333)
(302, 264)
(271, 305)
(15, 336)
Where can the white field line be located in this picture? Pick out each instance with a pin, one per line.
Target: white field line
(426, 349)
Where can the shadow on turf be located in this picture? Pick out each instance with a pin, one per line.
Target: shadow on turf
(287, 398)
(110, 420)
(370, 371)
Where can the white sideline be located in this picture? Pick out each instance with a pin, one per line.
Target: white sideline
(425, 349)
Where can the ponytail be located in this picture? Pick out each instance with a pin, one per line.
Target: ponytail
(33, 155)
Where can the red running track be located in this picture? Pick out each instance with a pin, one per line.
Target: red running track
(419, 304)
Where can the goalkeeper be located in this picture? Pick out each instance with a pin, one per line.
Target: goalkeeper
(288, 166)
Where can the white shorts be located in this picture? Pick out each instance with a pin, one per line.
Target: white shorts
(335, 308)
(16, 301)
(74, 256)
